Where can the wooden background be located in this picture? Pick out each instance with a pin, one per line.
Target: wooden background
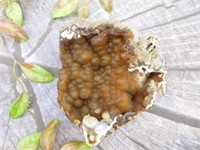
(174, 121)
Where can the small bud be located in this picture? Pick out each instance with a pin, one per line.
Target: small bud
(83, 11)
(107, 5)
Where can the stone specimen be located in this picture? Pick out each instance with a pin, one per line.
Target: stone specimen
(106, 78)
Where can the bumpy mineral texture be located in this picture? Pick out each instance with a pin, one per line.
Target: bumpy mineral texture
(106, 77)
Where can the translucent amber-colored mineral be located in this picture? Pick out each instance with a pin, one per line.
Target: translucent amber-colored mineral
(104, 72)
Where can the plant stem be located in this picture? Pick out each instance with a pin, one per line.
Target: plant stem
(13, 58)
(14, 73)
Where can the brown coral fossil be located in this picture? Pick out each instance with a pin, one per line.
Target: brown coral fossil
(105, 74)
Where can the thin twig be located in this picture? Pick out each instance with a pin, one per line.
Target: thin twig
(14, 73)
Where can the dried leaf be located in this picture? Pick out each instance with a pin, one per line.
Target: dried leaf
(75, 145)
(36, 73)
(30, 142)
(83, 11)
(14, 13)
(13, 30)
(19, 106)
(48, 135)
(64, 8)
(107, 5)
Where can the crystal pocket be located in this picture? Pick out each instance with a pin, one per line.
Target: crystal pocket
(106, 78)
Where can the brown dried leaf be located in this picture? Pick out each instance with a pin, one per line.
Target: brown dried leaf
(11, 29)
(48, 136)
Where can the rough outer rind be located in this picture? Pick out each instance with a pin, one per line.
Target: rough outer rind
(146, 60)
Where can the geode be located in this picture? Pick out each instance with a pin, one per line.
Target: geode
(106, 77)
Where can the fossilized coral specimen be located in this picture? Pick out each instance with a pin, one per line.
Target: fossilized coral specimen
(106, 77)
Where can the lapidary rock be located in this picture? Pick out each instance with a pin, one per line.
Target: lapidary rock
(106, 78)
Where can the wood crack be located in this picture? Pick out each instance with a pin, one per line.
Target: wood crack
(56, 104)
(140, 13)
(37, 113)
(121, 141)
(173, 20)
(184, 83)
(127, 135)
(187, 100)
(173, 116)
(183, 69)
(6, 134)
(41, 39)
(99, 147)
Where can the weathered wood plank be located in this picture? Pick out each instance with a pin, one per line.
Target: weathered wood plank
(153, 132)
(37, 23)
(187, 87)
(49, 48)
(180, 42)
(11, 131)
(182, 94)
(181, 105)
(176, 26)
(168, 16)
(183, 90)
(46, 95)
(178, 33)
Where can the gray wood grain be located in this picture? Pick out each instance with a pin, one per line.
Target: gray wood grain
(174, 121)
(149, 131)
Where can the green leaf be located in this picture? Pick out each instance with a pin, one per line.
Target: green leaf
(83, 11)
(107, 5)
(30, 142)
(14, 13)
(75, 145)
(48, 136)
(19, 106)
(36, 73)
(12, 29)
(63, 8)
